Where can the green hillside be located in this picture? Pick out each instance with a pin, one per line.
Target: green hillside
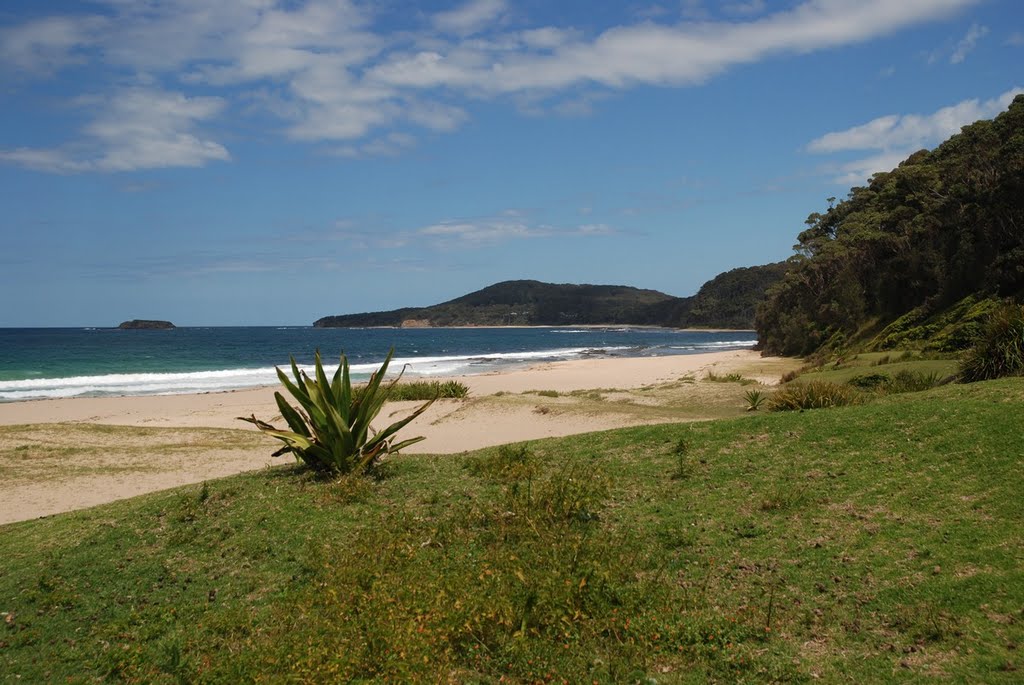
(878, 543)
(727, 301)
(916, 257)
(730, 299)
(527, 303)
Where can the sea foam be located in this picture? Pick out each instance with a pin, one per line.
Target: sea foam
(238, 379)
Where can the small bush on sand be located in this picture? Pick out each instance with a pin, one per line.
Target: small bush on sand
(423, 390)
(999, 349)
(729, 378)
(813, 395)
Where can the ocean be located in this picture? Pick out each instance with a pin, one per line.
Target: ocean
(37, 363)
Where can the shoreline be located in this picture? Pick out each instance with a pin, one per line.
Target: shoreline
(65, 454)
(570, 375)
(427, 365)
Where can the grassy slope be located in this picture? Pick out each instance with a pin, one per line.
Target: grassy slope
(867, 544)
(889, 363)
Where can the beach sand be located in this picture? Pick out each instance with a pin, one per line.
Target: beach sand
(67, 454)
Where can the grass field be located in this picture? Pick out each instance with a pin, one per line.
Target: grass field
(889, 363)
(876, 543)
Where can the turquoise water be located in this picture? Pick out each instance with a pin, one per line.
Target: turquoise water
(66, 362)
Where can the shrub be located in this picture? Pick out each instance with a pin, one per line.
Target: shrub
(999, 349)
(422, 390)
(813, 395)
(755, 398)
(683, 466)
(790, 376)
(870, 381)
(330, 429)
(913, 381)
(509, 462)
(728, 378)
(905, 380)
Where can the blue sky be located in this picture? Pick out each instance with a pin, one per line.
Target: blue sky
(271, 162)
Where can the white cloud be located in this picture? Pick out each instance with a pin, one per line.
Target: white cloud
(470, 17)
(1016, 39)
(858, 171)
(45, 45)
(135, 129)
(896, 136)
(663, 55)
(548, 37)
(968, 43)
(323, 72)
(509, 226)
(436, 116)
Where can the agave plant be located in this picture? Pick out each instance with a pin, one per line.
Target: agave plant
(755, 398)
(330, 429)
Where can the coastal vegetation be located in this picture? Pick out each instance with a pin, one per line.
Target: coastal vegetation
(422, 390)
(730, 299)
(868, 543)
(999, 347)
(330, 429)
(727, 301)
(919, 257)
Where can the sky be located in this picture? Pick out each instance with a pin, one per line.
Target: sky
(265, 162)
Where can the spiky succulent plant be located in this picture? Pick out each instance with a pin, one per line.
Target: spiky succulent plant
(330, 428)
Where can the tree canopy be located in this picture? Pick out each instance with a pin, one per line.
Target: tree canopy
(945, 225)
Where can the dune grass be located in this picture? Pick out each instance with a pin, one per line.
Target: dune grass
(875, 543)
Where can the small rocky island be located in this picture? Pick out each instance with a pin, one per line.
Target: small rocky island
(145, 324)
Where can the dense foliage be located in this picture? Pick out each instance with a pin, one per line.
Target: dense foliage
(330, 429)
(999, 350)
(945, 225)
(730, 299)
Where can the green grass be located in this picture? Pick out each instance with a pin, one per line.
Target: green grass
(876, 543)
(892, 363)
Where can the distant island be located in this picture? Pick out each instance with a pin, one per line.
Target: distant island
(145, 324)
(727, 301)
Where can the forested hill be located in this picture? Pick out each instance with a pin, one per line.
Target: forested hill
(730, 299)
(527, 303)
(727, 301)
(918, 256)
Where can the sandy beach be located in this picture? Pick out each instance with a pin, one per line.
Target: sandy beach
(67, 454)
